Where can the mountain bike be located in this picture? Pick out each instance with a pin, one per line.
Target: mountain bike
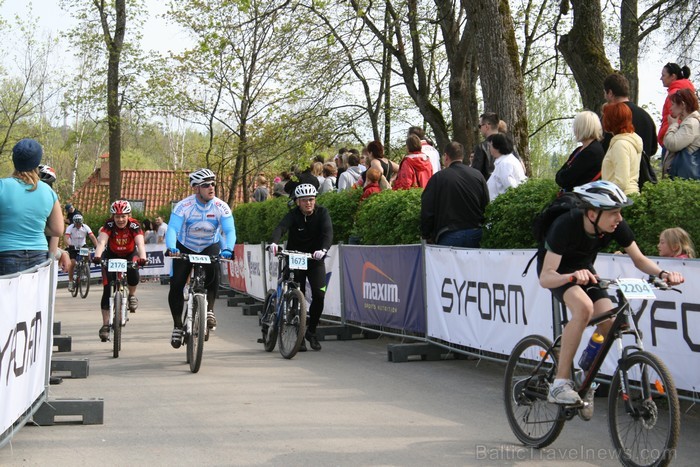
(82, 273)
(284, 314)
(118, 315)
(643, 407)
(194, 310)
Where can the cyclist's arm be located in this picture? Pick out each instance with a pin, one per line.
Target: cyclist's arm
(140, 246)
(326, 232)
(102, 240)
(66, 237)
(551, 279)
(174, 226)
(93, 239)
(229, 229)
(282, 228)
(648, 266)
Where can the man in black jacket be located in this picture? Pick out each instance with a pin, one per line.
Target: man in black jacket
(453, 202)
(311, 231)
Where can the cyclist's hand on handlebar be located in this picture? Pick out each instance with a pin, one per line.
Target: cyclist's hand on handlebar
(673, 278)
(226, 254)
(97, 260)
(272, 248)
(319, 254)
(583, 277)
(173, 252)
(141, 261)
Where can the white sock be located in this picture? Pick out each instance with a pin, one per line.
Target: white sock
(559, 382)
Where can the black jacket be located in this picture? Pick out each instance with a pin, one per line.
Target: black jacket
(306, 233)
(455, 198)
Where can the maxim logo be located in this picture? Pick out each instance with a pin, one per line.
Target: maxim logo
(379, 291)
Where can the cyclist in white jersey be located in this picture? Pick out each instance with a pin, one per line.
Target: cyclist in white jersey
(195, 226)
(76, 234)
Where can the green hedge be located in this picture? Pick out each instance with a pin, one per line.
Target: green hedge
(393, 217)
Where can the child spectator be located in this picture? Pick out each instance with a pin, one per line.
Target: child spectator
(675, 243)
(372, 186)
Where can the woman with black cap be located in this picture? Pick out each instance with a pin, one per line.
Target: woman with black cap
(30, 211)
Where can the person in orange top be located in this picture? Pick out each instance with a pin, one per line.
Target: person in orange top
(415, 169)
(372, 185)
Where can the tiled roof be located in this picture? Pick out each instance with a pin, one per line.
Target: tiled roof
(157, 188)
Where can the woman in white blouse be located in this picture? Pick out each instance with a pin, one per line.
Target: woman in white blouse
(508, 171)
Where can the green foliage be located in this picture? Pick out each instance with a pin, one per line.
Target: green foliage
(342, 208)
(256, 221)
(509, 217)
(390, 218)
(96, 218)
(661, 206)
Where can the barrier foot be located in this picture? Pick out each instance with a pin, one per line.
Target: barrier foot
(398, 353)
(56, 328)
(252, 310)
(91, 411)
(224, 293)
(343, 333)
(78, 367)
(239, 300)
(64, 343)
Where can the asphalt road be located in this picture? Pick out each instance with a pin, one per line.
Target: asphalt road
(344, 405)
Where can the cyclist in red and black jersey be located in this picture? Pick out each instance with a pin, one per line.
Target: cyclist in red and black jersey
(120, 237)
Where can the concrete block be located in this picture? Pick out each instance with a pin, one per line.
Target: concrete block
(91, 411)
(56, 327)
(239, 300)
(64, 343)
(398, 353)
(78, 367)
(340, 332)
(252, 310)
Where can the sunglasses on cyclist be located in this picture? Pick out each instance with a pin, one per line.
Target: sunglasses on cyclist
(207, 184)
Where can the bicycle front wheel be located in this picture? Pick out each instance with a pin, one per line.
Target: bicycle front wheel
(74, 292)
(268, 321)
(645, 421)
(117, 323)
(293, 323)
(84, 279)
(529, 373)
(195, 341)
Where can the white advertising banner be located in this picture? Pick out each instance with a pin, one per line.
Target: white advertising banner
(478, 298)
(253, 267)
(158, 264)
(25, 333)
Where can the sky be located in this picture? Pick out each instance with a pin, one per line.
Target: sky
(160, 36)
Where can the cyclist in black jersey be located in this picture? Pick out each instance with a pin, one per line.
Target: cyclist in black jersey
(565, 265)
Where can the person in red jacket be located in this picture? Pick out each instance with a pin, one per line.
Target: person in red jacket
(674, 78)
(372, 184)
(415, 169)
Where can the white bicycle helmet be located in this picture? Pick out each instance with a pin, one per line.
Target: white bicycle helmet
(201, 176)
(77, 219)
(120, 206)
(602, 195)
(305, 190)
(47, 174)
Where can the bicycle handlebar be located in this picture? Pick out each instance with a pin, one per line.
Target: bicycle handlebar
(655, 281)
(186, 256)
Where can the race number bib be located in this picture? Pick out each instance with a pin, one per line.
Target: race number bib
(297, 262)
(636, 289)
(116, 265)
(84, 252)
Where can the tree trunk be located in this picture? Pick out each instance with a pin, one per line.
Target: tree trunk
(584, 52)
(499, 68)
(629, 46)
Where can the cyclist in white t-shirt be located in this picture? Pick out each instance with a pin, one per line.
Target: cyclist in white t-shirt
(76, 235)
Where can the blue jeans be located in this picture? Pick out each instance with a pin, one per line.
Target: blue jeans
(19, 260)
(467, 238)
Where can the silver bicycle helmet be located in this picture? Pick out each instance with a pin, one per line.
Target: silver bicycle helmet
(602, 195)
(77, 219)
(201, 176)
(305, 190)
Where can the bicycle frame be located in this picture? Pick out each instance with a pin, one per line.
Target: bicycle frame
(195, 287)
(118, 284)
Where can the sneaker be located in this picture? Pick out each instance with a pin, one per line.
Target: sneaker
(313, 341)
(71, 287)
(133, 303)
(564, 394)
(302, 347)
(211, 320)
(176, 338)
(586, 412)
(104, 333)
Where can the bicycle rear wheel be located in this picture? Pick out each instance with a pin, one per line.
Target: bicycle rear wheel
(268, 321)
(117, 324)
(645, 433)
(534, 421)
(84, 279)
(293, 323)
(195, 341)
